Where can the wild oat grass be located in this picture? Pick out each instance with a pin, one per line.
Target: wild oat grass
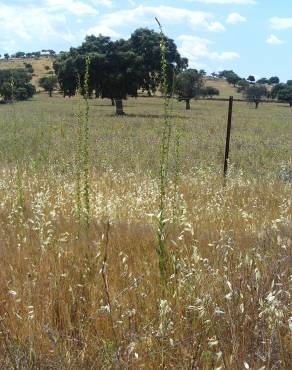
(228, 305)
(92, 298)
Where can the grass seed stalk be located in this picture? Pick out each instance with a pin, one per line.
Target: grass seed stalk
(164, 159)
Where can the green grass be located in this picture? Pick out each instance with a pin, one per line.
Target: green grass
(45, 129)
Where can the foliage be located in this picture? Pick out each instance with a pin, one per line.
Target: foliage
(276, 89)
(274, 80)
(230, 76)
(48, 83)
(188, 85)
(29, 67)
(145, 43)
(15, 84)
(263, 81)
(271, 81)
(254, 93)
(242, 85)
(209, 91)
(285, 94)
(251, 79)
(118, 68)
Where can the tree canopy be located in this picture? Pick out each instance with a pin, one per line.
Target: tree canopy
(283, 92)
(230, 76)
(118, 68)
(188, 85)
(209, 91)
(254, 93)
(15, 84)
(48, 83)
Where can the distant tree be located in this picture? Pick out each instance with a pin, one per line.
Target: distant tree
(25, 92)
(188, 85)
(289, 82)
(242, 85)
(28, 67)
(202, 72)
(230, 76)
(255, 93)
(285, 94)
(20, 54)
(15, 84)
(263, 81)
(6, 56)
(251, 79)
(276, 89)
(209, 91)
(48, 83)
(214, 74)
(274, 80)
(47, 68)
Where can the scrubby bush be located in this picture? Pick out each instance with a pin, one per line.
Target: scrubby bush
(15, 84)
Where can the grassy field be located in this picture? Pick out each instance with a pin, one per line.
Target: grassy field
(81, 288)
(41, 133)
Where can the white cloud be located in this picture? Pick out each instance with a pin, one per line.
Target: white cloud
(17, 26)
(196, 49)
(234, 18)
(103, 30)
(226, 2)
(216, 26)
(281, 23)
(144, 16)
(274, 40)
(103, 2)
(72, 6)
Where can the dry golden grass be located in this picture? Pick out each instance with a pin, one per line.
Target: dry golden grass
(37, 64)
(77, 299)
(224, 87)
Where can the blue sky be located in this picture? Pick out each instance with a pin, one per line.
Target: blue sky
(249, 36)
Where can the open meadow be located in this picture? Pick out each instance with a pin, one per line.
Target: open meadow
(81, 284)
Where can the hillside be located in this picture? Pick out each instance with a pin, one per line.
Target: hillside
(224, 87)
(39, 71)
(37, 64)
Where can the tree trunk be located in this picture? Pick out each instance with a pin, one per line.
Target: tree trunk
(113, 102)
(50, 93)
(256, 104)
(119, 107)
(290, 103)
(188, 106)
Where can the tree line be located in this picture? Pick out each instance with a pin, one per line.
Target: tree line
(256, 90)
(122, 68)
(33, 54)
